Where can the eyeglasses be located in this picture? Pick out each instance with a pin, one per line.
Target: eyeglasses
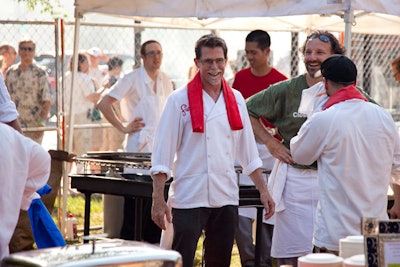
(322, 37)
(209, 62)
(154, 53)
(30, 49)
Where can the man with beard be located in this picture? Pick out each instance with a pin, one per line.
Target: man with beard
(349, 189)
(298, 184)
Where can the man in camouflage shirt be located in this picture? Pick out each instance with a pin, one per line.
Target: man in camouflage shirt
(29, 88)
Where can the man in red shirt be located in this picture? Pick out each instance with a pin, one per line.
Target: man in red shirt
(259, 76)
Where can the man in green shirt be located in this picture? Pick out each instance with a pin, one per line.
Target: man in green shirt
(293, 231)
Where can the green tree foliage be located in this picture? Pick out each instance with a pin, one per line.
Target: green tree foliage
(52, 7)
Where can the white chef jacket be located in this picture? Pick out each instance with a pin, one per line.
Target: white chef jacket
(25, 168)
(8, 111)
(138, 99)
(203, 170)
(357, 148)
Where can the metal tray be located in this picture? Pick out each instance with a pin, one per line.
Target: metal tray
(130, 156)
(109, 252)
(115, 159)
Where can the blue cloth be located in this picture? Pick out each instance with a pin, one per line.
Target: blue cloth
(44, 190)
(45, 231)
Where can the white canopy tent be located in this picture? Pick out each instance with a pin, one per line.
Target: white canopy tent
(361, 16)
(231, 9)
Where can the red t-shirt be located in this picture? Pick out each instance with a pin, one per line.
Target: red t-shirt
(249, 84)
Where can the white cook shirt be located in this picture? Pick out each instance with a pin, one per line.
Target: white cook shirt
(8, 110)
(203, 170)
(138, 99)
(25, 168)
(84, 87)
(357, 148)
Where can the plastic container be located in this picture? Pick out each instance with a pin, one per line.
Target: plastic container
(320, 260)
(351, 245)
(355, 261)
(71, 227)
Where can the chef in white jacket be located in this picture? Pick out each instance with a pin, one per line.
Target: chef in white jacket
(8, 111)
(142, 94)
(203, 129)
(25, 168)
(357, 147)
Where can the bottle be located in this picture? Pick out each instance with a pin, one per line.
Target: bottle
(71, 225)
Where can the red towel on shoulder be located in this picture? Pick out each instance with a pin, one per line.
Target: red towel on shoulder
(195, 95)
(344, 94)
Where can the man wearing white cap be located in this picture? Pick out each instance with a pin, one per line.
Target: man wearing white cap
(357, 148)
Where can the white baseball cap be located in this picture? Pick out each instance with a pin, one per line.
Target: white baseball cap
(95, 51)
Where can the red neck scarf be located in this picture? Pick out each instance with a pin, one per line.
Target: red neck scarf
(195, 95)
(343, 94)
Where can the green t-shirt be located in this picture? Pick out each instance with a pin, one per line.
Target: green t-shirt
(279, 105)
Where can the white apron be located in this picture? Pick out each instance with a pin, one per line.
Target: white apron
(149, 108)
(294, 225)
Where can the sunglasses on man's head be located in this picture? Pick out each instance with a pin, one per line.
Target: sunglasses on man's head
(322, 37)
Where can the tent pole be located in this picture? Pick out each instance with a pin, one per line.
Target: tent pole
(71, 116)
(137, 44)
(348, 21)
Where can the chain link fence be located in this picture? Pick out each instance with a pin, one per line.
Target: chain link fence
(372, 53)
